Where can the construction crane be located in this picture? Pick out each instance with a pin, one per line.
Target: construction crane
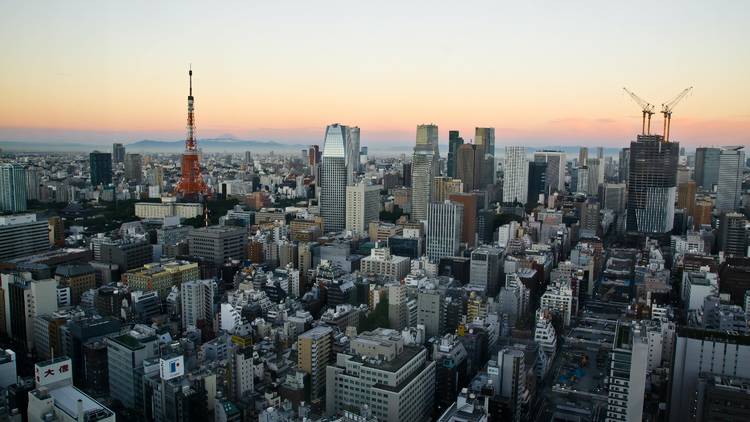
(666, 110)
(647, 109)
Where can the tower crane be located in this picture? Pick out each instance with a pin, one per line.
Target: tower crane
(666, 110)
(647, 109)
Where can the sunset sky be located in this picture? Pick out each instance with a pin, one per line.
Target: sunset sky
(544, 74)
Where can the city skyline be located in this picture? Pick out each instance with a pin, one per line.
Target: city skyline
(283, 72)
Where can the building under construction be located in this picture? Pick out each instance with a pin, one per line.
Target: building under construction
(191, 185)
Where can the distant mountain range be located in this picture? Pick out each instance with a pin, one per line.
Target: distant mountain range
(148, 145)
(212, 145)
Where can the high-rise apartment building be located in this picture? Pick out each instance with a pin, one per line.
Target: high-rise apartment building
(627, 375)
(22, 235)
(424, 167)
(707, 167)
(454, 143)
(197, 300)
(444, 224)
(484, 140)
(314, 354)
(118, 153)
(13, 193)
(100, 166)
(652, 187)
(335, 175)
(555, 172)
(362, 206)
(729, 185)
(516, 175)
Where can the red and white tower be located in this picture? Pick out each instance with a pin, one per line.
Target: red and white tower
(191, 184)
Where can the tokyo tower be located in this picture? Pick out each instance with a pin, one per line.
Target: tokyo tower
(191, 184)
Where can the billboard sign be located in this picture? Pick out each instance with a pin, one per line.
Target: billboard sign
(171, 367)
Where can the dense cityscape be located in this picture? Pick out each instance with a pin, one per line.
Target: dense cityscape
(331, 285)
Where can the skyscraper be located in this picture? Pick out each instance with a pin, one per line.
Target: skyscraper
(13, 187)
(516, 175)
(100, 164)
(537, 181)
(354, 148)
(686, 197)
(118, 153)
(454, 143)
(465, 169)
(33, 180)
(555, 174)
(362, 205)
(624, 163)
(424, 169)
(443, 186)
(707, 167)
(652, 185)
(335, 174)
(596, 175)
(583, 155)
(484, 139)
(444, 223)
(134, 167)
(729, 186)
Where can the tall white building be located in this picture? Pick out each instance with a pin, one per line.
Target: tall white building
(197, 299)
(424, 168)
(444, 225)
(516, 175)
(335, 174)
(555, 169)
(558, 298)
(729, 188)
(484, 270)
(13, 193)
(546, 338)
(362, 206)
(627, 375)
(243, 371)
(25, 299)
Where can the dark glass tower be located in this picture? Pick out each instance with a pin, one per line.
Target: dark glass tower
(652, 185)
(537, 181)
(454, 142)
(101, 168)
(707, 167)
